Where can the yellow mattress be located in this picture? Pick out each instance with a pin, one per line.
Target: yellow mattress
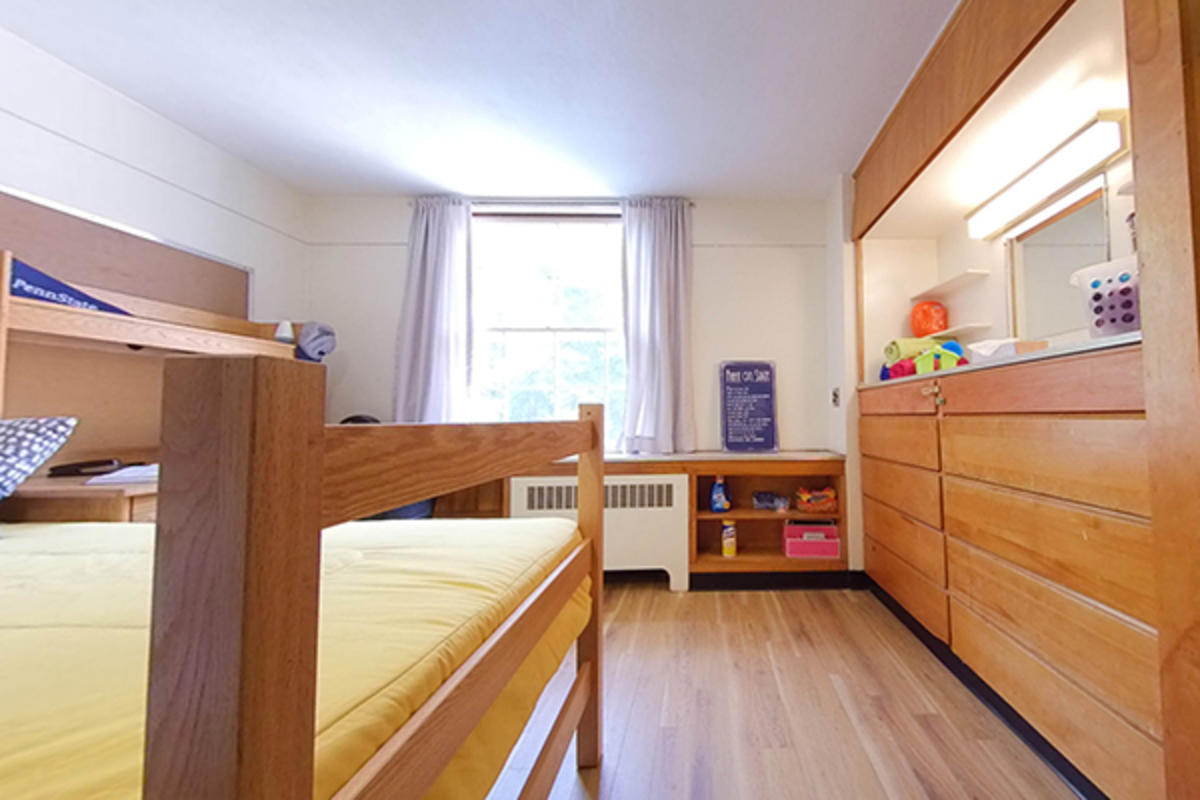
(402, 605)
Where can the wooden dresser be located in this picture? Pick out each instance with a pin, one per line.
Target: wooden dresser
(1008, 511)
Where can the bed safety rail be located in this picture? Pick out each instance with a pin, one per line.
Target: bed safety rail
(250, 476)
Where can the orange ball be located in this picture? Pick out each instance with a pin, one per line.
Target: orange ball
(928, 317)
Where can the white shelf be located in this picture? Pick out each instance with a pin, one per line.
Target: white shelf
(966, 327)
(944, 288)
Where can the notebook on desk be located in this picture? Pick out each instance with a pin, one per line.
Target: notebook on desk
(140, 473)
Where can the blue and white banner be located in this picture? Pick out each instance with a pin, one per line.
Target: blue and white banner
(37, 285)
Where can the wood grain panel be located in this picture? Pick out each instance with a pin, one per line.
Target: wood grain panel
(1124, 762)
(907, 439)
(1096, 460)
(1112, 658)
(911, 589)
(980, 45)
(923, 547)
(76, 250)
(918, 397)
(1108, 557)
(35, 318)
(1108, 381)
(1163, 51)
(115, 395)
(371, 468)
(915, 491)
(233, 650)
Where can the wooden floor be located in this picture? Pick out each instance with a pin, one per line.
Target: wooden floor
(781, 694)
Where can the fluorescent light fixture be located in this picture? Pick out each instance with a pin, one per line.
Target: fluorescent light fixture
(1077, 158)
(1066, 201)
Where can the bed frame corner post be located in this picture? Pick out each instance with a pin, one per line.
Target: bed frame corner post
(589, 738)
(233, 651)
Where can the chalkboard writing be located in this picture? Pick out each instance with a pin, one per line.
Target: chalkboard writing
(748, 406)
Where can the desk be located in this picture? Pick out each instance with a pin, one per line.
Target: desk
(42, 499)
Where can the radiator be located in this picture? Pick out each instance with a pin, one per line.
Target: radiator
(645, 518)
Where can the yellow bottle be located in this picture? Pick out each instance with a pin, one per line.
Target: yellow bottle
(728, 538)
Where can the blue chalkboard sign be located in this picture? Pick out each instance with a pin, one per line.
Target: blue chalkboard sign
(748, 407)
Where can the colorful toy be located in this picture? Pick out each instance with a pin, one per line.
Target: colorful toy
(937, 358)
(928, 317)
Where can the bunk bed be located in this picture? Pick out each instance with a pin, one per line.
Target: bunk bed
(263, 579)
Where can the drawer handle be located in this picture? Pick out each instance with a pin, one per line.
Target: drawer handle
(929, 391)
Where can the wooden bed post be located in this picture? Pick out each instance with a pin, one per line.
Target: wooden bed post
(589, 739)
(231, 705)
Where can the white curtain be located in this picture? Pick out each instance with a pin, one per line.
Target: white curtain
(658, 287)
(434, 337)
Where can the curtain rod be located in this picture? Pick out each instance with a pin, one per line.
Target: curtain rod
(547, 201)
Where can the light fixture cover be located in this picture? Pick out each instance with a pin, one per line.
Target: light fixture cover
(1083, 153)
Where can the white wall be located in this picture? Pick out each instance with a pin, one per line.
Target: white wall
(759, 293)
(893, 269)
(75, 143)
(359, 261)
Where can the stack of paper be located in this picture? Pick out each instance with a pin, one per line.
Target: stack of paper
(143, 473)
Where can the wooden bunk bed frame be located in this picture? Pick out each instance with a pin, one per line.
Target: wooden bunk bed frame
(250, 476)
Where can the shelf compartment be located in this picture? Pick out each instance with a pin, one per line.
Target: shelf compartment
(741, 514)
(951, 285)
(966, 327)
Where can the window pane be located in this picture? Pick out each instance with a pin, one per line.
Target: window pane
(547, 314)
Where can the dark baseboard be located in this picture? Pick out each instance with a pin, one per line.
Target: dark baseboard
(988, 696)
(742, 581)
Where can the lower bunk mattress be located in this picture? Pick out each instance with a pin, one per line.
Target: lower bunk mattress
(403, 604)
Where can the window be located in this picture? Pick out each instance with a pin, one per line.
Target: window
(547, 314)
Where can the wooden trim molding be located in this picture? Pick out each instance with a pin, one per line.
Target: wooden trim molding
(1163, 49)
(979, 47)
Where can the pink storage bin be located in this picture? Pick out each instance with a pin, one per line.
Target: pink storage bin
(811, 540)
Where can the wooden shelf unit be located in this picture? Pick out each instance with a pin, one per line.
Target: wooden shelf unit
(760, 532)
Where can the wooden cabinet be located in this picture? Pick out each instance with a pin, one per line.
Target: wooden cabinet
(907, 439)
(1012, 520)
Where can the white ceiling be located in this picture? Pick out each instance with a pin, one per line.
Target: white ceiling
(762, 98)
(1076, 70)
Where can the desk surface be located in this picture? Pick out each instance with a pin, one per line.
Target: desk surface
(42, 487)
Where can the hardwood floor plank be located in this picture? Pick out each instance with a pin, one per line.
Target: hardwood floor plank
(811, 695)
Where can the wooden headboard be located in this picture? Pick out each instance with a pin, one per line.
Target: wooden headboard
(115, 391)
(78, 251)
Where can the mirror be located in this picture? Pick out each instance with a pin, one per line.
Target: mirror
(1047, 306)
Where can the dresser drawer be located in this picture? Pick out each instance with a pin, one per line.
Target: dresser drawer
(1108, 557)
(1121, 760)
(918, 397)
(1108, 656)
(919, 596)
(907, 439)
(1100, 460)
(1107, 381)
(923, 547)
(915, 491)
